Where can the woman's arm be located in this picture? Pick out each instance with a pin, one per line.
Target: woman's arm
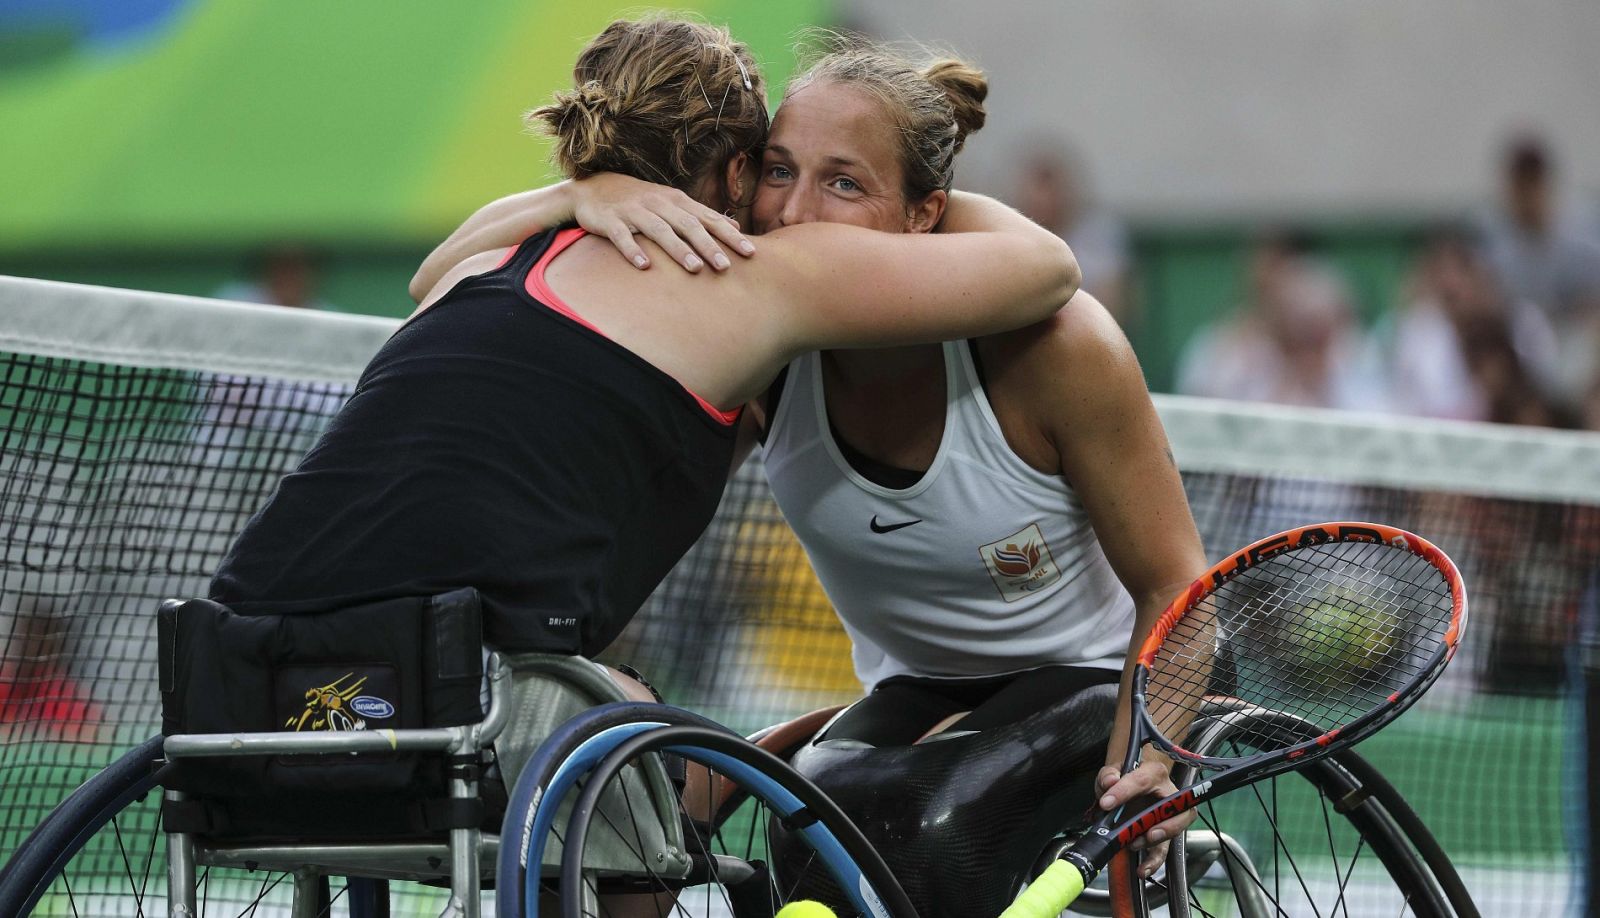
(1100, 421)
(990, 270)
(498, 224)
(614, 206)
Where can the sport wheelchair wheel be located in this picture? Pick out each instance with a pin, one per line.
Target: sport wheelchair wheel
(723, 811)
(101, 851)
(1333, 838)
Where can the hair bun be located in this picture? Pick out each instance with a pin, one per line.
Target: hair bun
(582, 121)
(661, 99)
(966, 87)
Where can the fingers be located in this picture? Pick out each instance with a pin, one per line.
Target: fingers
(1145, 784)
(1170, 827)
(1108, 776)
(1163, 832)
(704, 228)
(1142, 780)
(690, 233)
(621, 236)
(693, 230)
(1151, 858)
(654, 227)
(727, 230)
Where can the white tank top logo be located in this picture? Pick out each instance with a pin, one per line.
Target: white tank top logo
(1020, 563)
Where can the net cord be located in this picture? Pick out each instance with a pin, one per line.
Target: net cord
(137, 328)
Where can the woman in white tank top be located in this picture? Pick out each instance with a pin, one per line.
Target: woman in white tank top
(1007, 505)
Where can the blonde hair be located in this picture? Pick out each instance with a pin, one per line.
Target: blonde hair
(665, 100)
(933, 105)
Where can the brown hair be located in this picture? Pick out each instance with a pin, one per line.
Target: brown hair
(933, 106)
(659, 99)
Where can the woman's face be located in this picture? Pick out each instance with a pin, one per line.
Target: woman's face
(831, 158)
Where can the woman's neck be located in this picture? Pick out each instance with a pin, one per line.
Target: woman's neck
(877, 366)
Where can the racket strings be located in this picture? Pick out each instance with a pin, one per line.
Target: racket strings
(1321, 635)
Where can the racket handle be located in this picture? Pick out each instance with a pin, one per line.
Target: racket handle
(1050, 894)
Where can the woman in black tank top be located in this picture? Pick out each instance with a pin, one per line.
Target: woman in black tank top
(552, 428)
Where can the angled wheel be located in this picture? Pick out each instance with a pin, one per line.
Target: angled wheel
(720, 865)
(1333, 838)
(101, 851)
(728, 860)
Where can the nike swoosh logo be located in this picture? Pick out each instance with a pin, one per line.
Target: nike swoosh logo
(879, 528)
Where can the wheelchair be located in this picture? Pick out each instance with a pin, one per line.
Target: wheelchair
(139, 838)
(603, 814)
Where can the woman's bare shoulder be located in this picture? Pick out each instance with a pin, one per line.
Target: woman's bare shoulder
(467, 267)
(1080, 337)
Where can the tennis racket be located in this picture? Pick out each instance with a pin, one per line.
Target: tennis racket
(1323, 634)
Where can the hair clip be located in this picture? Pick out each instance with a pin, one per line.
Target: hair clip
(703, 94)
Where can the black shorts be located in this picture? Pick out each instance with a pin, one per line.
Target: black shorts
(902, 709)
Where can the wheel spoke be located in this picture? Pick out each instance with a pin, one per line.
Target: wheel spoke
(71, 899)
(1280, 843)
(1235, 869)
(127, 868)
(1342, 877)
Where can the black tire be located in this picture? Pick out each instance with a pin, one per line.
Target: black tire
(740, 899)
(1354, 813)
(1412, 829)
(44, 856)
(101, 851)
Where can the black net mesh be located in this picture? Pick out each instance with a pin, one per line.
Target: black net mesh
(121, 486)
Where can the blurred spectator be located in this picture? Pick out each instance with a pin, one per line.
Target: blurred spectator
(1548, 260)
(287, 275)
(1458, 350)
(1053, 193)
(1451, 294)
(37, 696)
(1295, 341)
(1502, 374)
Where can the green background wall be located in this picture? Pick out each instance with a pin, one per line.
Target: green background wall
(164, 142)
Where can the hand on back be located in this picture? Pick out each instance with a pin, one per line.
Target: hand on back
(618, 207)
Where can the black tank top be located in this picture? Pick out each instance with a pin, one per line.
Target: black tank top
(495, 443)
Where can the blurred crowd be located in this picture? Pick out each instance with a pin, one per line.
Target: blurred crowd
(1498, 320)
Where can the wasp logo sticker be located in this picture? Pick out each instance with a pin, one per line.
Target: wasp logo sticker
(339, 705)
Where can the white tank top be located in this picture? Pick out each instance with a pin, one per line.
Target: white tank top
(985, 566)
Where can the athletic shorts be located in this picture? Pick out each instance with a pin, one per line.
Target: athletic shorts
(902, 709)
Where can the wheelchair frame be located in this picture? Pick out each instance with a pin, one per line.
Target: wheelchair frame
(467, 850)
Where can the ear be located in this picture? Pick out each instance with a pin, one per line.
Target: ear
(924, 215)
(739, 181)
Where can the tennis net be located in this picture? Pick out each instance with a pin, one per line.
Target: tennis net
(139, 431)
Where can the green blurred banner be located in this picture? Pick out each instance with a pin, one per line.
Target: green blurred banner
(162, 122)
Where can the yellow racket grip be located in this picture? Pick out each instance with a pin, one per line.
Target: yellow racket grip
(1050, 894)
